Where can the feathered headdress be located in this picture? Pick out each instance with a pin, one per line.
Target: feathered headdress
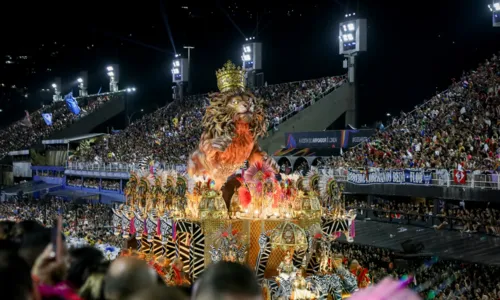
(259, 172)
(311, 181)
(226, 234)
(328, 186)
(193, 181)
(243, 193)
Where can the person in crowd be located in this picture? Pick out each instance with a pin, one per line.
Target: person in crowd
(159, 293)
(82, 262)
(15, 278)
(126, 276)
(93, 288)
(227, 281)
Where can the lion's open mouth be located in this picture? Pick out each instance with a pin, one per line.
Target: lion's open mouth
(245, 117)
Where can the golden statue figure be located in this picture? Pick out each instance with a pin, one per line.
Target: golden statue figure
(286, 269)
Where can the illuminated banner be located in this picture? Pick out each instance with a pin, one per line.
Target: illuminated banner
(327, 139)
(407, 176)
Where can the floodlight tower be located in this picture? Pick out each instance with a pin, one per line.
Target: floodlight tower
(82, 84)
(352, 41)
(252, 62)
(180, 76)
(56, 85)
(495, 11)
(189, 48)
(114, 77)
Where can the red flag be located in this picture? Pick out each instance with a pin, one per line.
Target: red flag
(459, 176)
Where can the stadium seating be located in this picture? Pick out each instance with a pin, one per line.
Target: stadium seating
(172, 132)
(459, 126)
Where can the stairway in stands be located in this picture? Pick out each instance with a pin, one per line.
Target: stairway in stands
(316, 117)
(87, 123)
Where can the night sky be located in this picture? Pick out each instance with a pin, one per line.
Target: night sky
(414, 47)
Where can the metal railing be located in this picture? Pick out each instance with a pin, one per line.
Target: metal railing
(442, 177)
(118, 166)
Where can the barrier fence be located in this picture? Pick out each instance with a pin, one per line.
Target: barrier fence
(119, 166)
(428, 177)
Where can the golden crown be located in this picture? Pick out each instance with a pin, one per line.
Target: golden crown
(230, 78)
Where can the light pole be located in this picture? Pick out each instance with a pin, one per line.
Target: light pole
(114, 75)
(189, 66)
(130, 117)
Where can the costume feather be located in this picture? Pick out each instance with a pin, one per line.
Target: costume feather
(244, 196)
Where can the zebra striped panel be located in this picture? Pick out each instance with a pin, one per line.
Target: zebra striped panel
(298, 258)
(262, 257)
(313, 265)
(170, 248)
(182, 249)
(196, 247)
(158, 249)
(274, 288)
(329, 227)
(145, 246)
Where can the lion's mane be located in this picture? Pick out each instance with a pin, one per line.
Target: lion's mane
(219, 119)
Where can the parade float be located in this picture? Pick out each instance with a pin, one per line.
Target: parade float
(282, 226)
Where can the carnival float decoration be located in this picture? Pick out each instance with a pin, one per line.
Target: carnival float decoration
(282, 226)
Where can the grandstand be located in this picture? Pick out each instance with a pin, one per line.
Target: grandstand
(458, 126)
(169, 134)
(95, 109)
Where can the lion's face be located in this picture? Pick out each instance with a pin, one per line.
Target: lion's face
(241, 107)
(228, 109)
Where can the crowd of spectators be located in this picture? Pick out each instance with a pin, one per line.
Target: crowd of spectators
(74, 181)
(27, 247)
(434, 278)
(110, 184)
(77, 217)
(172, 132)
(458, 126)
(451, 215)
(32, 128)
(91, 183)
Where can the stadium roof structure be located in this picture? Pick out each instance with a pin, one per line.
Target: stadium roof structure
(72, 139)
(29, 188)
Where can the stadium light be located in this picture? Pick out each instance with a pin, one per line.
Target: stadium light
(1, 110)
(388, 114)
(495, 12)
(251, 57)
(113, 74)
(352, 40)
(494, 7)
(56, 85)
(82, 84)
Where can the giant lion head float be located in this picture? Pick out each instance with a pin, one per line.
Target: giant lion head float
(232, 123)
